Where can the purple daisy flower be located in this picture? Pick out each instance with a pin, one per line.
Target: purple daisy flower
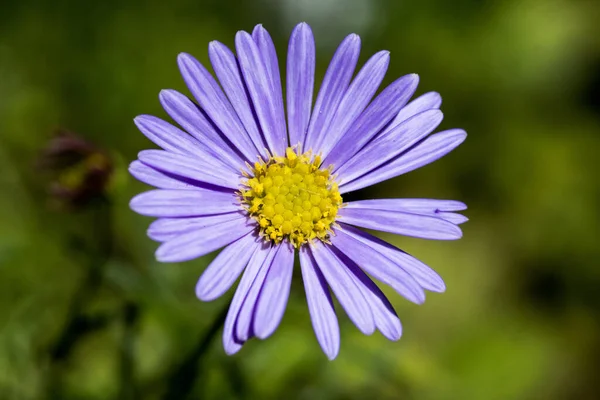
(239, 177)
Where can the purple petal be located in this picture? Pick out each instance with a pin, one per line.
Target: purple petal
(400, 223)
(203, 240)
(167, 136)
(184, 203)
(428, 101)
(243, 326)
(431, 207)
(228, 71)
(164, 229)
(209, 95)
(269, 55)
(224, 270)
(415, 206)
(422, 274)
(230, 344)
(453, 217)
(320, 305)
(358, 96)
(384, 315)
(332, 90)
(202, 170)
(192, 119)
(344, 288)
(376, 116)
(378, 265)
(390, 144)
(267, 104)
(274, 293)
(432, 148)
(152, 177)
(300, 81)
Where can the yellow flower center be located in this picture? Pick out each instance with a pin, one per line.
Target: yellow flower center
(291, 198)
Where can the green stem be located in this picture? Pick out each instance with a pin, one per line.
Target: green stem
(181, 381)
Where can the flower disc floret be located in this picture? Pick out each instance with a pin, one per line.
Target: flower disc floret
(292, 198)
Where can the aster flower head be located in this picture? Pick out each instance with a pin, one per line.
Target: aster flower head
(264, 180)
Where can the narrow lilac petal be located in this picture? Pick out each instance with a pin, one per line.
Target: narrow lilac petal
(359, 94)
(184, 203)
(269, 55)
(431, 149)
(224, 270)
(453, 217)
(192, 119)
(375, 117)
(151, 176)
(190, 167)
(212, 99)
(387, 146)
(261, 253)
(378, 265)
(203, 240)
(300, 81)
(320, 305)
(344, 288)
(202, 159)
(243, 326)
(260, 87)
(427, 101)
(228, 71)
(334, 86)
(164, 229)
(422, 274)
(401, 223)
(274, 294)
(166, 135)
(431, 207)
(415, 206)
(384, 315)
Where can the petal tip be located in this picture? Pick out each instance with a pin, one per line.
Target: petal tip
(202, 294)
(353, 37)
(331, 350)
(165, 255)
(135, 201)
(242, 36)
(164, 94)
(231, 347)
(436, 99)
(395, 336)
(141, 119)
(420, 299)
(185, 60)
(133, 165)
(456, 235)
(183, 56)
(460, 135)
(262, 333)
(214, 45)
(302, 29)
(160, 255)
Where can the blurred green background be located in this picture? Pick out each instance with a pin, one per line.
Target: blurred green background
(87, 313)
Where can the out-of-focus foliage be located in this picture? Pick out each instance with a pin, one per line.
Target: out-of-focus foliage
(87, 313)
